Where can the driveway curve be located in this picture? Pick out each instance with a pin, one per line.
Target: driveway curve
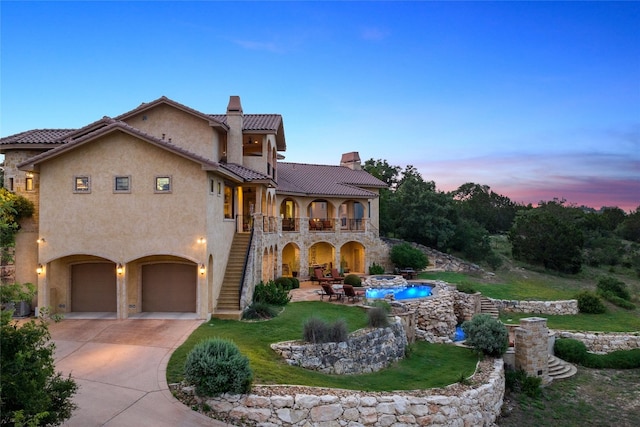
(120, 368)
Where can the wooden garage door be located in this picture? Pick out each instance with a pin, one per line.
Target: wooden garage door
(169, 287)
(93, 287)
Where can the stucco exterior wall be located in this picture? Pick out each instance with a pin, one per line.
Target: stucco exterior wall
(122, 227)
(185, 130)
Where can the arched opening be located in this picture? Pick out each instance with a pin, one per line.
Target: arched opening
(321, 254)
(352, 256)
(289, 215)
(321, 215)
(291, 260)
(352, 214)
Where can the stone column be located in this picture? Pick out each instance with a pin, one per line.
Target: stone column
(531, 348)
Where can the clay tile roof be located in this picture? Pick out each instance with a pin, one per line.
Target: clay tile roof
(316, 180)
(244, 172)
(36, 136)
(255, 122)
(109, 126)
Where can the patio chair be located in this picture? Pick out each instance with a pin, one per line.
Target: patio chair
(328, 290)
(336, 276)
(320, 277)
(351, 293)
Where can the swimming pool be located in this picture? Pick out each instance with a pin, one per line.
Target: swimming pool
(419, 290)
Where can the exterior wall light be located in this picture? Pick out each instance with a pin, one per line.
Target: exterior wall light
(39, 269)
(202, 269)
(41, 240)
(119, 269)
(201, 240)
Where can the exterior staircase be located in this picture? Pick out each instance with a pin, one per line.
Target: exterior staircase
(228, 305)
(559, 369)
(488, 307)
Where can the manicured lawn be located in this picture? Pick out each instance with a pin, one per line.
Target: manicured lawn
(427, 365)
(548, 288)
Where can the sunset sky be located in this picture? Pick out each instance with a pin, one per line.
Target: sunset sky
(538, 100)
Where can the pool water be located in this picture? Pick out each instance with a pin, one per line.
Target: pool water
(400, 293)
(459, 336)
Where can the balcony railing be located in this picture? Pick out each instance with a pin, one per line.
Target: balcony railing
(324, 225)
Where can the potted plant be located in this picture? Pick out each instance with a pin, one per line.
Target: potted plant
(17, 297)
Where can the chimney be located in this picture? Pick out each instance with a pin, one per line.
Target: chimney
(234, 138)
(351, 161)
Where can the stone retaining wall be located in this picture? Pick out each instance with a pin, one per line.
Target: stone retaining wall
(435, 316)
(563, 307)
(365, 351)
(601, 342)
(457, 405)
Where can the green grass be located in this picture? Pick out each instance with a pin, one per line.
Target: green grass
(427, 365)
(532, 285)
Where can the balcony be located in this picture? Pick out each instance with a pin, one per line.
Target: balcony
(321, 225)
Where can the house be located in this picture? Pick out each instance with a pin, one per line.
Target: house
(168, 209)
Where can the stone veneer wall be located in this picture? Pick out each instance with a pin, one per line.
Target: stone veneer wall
(456, 405)
(435, 316)
(365, 351)
(601, 342)
(564, 307)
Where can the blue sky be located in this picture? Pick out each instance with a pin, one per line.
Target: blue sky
(538, 100)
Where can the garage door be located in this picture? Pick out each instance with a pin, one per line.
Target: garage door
(93, 287)
(169, 287)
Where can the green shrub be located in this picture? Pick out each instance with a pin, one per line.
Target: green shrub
(613, 286)
(573, 351)
(284, 282)
(520, 382)
(376, 269)
(466, 288)
(380, 303)
(486, 335)
(615, 299)
(317, 331)
(353, 280)
(271, 293)
(216, 366)
(295, 282)
(590, 303)
(377, 317)
(406, 256)
(259, 310)
(32, 393)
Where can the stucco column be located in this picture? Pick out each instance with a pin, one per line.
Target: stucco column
(44, 299)
(202, 296)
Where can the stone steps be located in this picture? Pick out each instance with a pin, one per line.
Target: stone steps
(488, 307)
(228, 303)
(559, 369)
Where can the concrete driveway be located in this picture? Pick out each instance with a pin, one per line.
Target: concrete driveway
(119, 366)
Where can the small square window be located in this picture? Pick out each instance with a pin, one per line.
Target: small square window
(82, 184)
(29, 184)
(122, 184)
(163, 184)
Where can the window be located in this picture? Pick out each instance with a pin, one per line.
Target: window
(82, 184)
(228, 202)
(122, 184)
(11, 184)
(163, 184)
(29, 184)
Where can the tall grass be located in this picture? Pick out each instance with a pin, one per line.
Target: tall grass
(428, 365)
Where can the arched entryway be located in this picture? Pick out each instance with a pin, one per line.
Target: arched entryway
(291, 260)
(321, 254)
(352, 258)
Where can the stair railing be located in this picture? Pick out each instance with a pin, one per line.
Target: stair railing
(246, 260)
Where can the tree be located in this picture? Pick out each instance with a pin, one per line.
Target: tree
(492, 211)
(12, 209)
(389, 175)
(406, 256)
(31, 392)
(422, 214)
(548, 236)
(629, 229)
